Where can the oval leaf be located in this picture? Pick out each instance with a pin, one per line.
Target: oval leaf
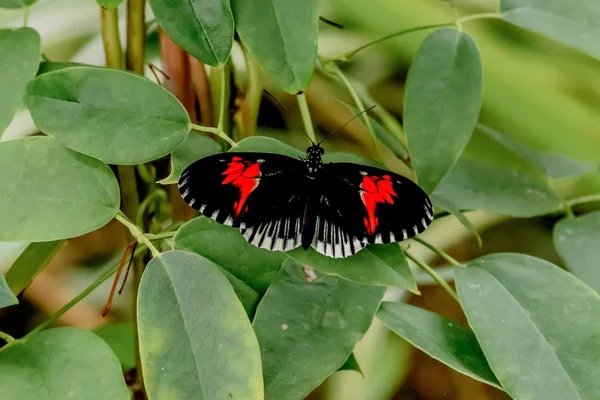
(308, 329)
(227, 248)
(267, 145)
(59, 364)
(50, 192)
(537, 325)
(442, 103)
(440, 338)
(193, 148)
(577, 241)
(31, 262)
(7, 298)
(111, 115)
(121, 339)
(203, 28)
(192, 325)
(387, 266)
(19, 60)
(16, 3)
(574, 24)
(282, 38)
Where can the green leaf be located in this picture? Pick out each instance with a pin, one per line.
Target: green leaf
(577, 241)
(537, 326)
(440, 338)
(246, 295)
(49, 66)
(553, 165)
(111, 115)
(50, 192)
(192, 325)
(16, 3)
(19, 60)
(267, 145)
(193, 148)
(574, 24)
(227, 248)
(109, 4)
(441, 202)
(59, 364)
(203, 28)
(387, 266)
(351, 364)
(442, 103)
(121, 339)
(282, 38)
(31, 262)
(7, 298)
(307, 330)
(351, 158)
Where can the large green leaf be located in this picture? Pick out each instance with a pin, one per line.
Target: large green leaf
(33, 260)
(16, 3)
(267, 145)
(121, 339)
(577, 240)
(203, 28)
(383, 265)
(439, 337)
(576, 24)
(553, 165)
(19, 60)
(59, 364)
(282, 38)
(115, 116)
(7, 298)
(227, 248)
(193, 148)
(196, 341)
(308, 329)
(442, 102)
(49, 192)
(537, 325)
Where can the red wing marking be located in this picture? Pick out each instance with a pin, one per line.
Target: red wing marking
(376, 190)
(245, 175)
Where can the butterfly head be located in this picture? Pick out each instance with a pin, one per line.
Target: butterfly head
(314, 153)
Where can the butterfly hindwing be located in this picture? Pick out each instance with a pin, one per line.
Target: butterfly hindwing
(358, 205)
(262, 194)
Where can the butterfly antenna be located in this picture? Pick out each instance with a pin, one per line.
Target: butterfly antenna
(330, 22)
(351, 119)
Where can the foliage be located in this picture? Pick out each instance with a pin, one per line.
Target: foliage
(219, 318)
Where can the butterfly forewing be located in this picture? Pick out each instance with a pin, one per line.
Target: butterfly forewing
(264, 195)
(359, 205)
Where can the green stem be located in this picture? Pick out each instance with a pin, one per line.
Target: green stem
(221, 122)
(348, 55)
(592, 198)
(137, 233)
(109, 20)
(99, 281)
(136, 36)
(160, 236)
(438, 251)
(433, 274)
(488, 15)
(215, 131)
(6, 337)
(306, 120)
(26, 12)
(158, 194)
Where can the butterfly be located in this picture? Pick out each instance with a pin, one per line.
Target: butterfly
(280, 203)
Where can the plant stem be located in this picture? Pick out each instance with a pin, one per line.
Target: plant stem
(438, 251)
(6, 337)
(109, 20)
(215, 131)
(159, 236)
(137, 233)
(433, 274)
(348, 55)
(136, 36)
(26, 12)
(592, 198)
(306, 120)
(100, 280)
(158, 194)
(488, 15)
(221, 121)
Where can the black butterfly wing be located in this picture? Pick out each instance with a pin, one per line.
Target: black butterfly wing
(264, 195)
(358, 205)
